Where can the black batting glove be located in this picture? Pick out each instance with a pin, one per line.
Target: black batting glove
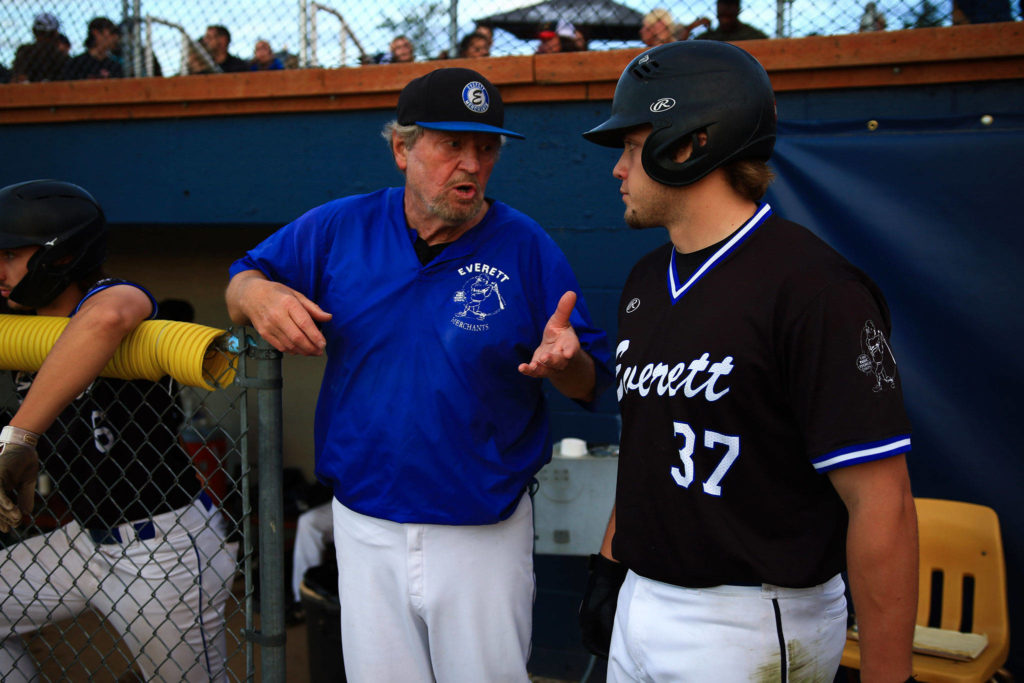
(597, 610)
(19, 468)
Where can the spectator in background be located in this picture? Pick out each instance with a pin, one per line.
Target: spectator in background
(559, 38)
(730, 28)
(400, 50)
(872, 19)
(683, 32)
(199, 61)
(43, 59)
(657, 27)
(580, 40)
(125, 53)
(96, 61)
(216, 41)
(63, 44)
(981, 11)
(487, 32)
(474, 45)
(263, 58)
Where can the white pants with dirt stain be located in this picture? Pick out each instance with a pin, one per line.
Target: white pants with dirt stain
(727, 634)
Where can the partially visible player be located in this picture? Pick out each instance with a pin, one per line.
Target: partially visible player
(758, 460)
(144, 548)
(314, 529)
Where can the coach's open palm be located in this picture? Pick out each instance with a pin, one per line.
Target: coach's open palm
(559, 344)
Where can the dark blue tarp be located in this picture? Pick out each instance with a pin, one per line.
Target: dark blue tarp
(931, 209)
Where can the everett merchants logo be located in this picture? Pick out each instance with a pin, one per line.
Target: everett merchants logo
(480, 296)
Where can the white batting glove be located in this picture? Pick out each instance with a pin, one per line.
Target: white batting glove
(19, 469)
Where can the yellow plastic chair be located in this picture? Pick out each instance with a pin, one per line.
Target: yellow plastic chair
(961, 543)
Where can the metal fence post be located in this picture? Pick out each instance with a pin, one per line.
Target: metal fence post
(271, 636)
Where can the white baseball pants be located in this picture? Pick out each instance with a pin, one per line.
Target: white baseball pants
(426, 602)
(164, 595)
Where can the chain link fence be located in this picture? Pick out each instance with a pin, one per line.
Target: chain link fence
(146, 556)
(171, 37)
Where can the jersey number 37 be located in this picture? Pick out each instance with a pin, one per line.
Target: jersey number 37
(712, 441)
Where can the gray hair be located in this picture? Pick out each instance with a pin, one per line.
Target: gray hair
(411, 133)
(408, 134)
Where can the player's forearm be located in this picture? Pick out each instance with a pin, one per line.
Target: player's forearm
(882, 565)
(76, 359)
(235, 296)
(579, 378)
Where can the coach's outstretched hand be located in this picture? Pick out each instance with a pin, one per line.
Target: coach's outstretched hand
(559, 356)
(19, 468)
(597, 610)
(559, 344)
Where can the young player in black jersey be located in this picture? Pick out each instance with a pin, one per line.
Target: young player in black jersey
(762, 449)
(145, 547)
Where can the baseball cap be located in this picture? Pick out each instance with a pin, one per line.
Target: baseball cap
(563, 29)
(454, 99)
(44, 21)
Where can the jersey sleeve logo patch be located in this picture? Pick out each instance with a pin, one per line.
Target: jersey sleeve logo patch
(876, 358)
(480, 296)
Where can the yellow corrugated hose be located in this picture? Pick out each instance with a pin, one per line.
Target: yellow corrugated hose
(185, 351)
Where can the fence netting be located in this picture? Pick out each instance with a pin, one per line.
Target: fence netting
(174, 37)
(137, 561)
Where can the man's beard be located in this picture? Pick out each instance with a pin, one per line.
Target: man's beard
(637, 221)
(455, 213)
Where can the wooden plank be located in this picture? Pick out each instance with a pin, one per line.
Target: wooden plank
(907, 74)
(574, 67)
(307, 82)
(979, 41)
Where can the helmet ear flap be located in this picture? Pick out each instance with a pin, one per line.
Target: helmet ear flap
(61, 261)
(661, 151)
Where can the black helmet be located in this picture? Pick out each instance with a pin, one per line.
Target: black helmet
(685, 87)
(66, 222)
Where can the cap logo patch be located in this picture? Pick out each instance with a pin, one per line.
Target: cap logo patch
(664, 104)
(474, 96)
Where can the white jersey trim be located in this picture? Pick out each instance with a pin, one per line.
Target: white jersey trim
(863, 453)
(676, 291)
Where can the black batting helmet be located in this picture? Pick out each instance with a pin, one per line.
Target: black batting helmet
(686, 87)
(65, 222)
